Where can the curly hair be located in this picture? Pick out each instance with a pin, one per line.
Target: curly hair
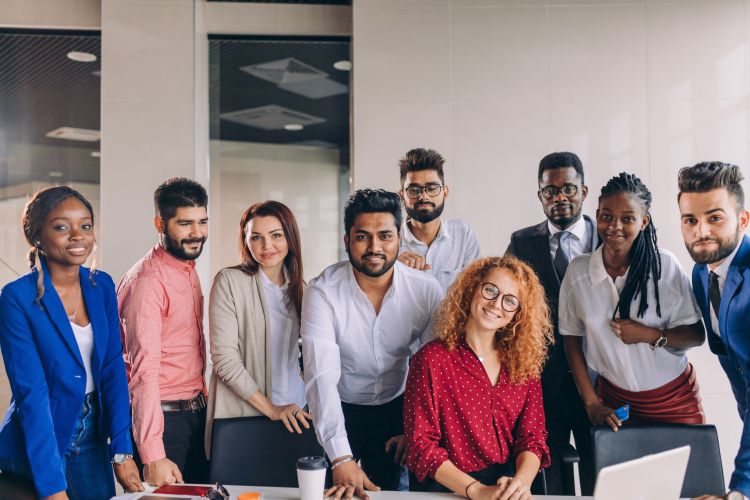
(523, 342)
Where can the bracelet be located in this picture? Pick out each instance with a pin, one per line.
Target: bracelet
(341, 462)
(466, 493)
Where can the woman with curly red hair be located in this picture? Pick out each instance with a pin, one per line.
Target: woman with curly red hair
(473, 400)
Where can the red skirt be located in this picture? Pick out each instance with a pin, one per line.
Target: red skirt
(678, 402)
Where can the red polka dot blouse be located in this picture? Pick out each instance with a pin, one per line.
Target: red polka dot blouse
(452, 412)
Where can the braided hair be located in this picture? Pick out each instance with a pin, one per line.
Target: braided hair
(645, 261)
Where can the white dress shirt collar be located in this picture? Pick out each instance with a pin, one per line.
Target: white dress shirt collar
(354, 286)
(408, 237)
(267, 281)
(578, 229)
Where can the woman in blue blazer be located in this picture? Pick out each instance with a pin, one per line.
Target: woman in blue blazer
(60, 340)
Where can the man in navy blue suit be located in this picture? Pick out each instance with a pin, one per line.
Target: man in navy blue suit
(713, 224)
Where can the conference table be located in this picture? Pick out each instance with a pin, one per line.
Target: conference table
(269, 493)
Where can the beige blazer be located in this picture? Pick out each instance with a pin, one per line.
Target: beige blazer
(240, 333)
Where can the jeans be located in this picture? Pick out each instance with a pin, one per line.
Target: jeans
(88, 468)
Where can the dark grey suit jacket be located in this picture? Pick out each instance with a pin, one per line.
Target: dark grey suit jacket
(532, 246)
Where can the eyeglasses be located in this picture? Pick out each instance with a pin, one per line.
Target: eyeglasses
(415, 192)
(220, 493)
(568, 190)
(510, 303)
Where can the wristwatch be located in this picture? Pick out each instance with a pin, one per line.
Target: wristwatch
(121, 458)
(735, 495)
(661, 341)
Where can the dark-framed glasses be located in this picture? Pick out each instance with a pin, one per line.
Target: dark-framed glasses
(218, 493)
(568, 190)
(510, 303)
(415, 192)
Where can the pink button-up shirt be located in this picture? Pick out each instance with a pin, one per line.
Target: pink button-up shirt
(161, 323)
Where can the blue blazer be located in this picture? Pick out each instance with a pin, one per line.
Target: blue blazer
(48, 379)
(734, 325)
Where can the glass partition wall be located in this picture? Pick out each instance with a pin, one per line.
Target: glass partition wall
(280, 130)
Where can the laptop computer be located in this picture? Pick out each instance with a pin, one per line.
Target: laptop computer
(653, 477)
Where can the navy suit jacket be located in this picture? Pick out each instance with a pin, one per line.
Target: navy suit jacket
(532, 246)
(734, 325)
(48, 379)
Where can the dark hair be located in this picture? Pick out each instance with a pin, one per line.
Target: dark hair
(178, 192)
(372, 201)
(34, 214)
(420, 159)
(710, 175)
(645, 261)
(561, 160)
(293, 259)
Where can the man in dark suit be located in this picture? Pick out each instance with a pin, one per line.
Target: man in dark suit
(714, 220)
(548, 248)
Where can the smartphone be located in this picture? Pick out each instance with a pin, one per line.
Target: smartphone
(182, 489)
(623, 413)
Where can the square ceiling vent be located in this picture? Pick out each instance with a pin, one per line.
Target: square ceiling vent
(75, 134)
(295, 76)
(271, 117)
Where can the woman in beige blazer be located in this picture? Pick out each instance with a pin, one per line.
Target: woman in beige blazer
(254, 318)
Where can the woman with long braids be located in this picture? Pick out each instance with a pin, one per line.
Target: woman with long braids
(60, 339)
(634, 304)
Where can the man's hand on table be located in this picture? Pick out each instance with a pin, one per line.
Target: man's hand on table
(161, 472)
(349, 480)
(128, 477)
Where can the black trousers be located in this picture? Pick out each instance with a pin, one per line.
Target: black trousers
(565, 414)
(368, 429)
(184, 433)
(487, 477)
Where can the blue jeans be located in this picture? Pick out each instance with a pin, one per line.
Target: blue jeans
(88, 468)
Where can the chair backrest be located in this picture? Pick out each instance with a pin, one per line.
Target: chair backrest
(705, 475)
(256, 451)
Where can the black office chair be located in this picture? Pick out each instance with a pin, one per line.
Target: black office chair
(15, 487)
(704, 476)
(256, 451)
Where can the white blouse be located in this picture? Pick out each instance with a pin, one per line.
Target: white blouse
(588, 298)
(85, 339)
(286, 381)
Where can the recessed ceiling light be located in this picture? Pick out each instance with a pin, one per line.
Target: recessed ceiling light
(343, 65)
(75, 134)
(81, 56)
(55, 174)
(96, 154)
(293, 126)
(98, 73)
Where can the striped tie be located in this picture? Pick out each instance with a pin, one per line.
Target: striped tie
(562, 259)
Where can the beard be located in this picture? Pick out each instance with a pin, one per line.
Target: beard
(726, 247)
(369, 271)
(178, 250)
(425, 216)
(565, 222)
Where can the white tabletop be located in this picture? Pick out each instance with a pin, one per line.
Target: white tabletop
(293, 494)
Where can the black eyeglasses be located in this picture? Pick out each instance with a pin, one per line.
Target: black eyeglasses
(220, 493)
(568, 190)
(415, 192)
(510, 303)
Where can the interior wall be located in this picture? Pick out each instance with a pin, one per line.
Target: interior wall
(51, 14)
(494, 85)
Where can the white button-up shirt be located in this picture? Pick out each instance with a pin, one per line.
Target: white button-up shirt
(579, 242)
(588, 297)
(722, 271)
(352, 354)
(288, 386)
(455, 247)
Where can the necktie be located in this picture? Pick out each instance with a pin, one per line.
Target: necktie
(714, 295)
(562, 259)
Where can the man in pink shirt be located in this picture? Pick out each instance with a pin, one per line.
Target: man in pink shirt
(161, 320)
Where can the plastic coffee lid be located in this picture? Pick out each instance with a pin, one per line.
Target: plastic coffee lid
(311, 463)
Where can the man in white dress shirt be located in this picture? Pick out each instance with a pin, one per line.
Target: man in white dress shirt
(359, 319)
(441, 248)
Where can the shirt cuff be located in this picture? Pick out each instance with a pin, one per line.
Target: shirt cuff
(338, 447)
(440, 460)
(151, 450)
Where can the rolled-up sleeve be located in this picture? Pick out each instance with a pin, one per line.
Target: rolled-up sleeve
(322, 360)
(530, 433)
(569, 320)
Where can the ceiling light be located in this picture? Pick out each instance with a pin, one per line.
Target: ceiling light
(293, 126)
(75, 134)
(55, 174)
(343, 65)
(96, 154)
(81, 56)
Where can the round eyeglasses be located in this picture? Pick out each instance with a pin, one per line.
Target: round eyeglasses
(568, 190)
(415, 192)
(510, 303)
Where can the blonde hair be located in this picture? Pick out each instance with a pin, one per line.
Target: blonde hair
(523, 342)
